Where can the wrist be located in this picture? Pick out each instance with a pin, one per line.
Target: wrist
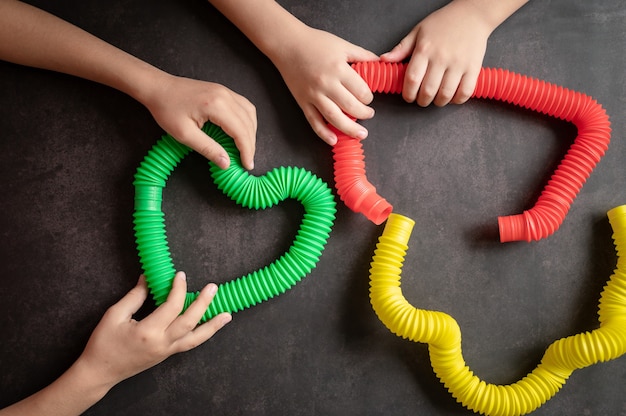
(89, 381)
(145, 83)
(274, 44)
(286, 50)
(265, 23)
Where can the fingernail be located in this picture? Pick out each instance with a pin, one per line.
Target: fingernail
(182, 276)
(361, 134)
(223, 162)
(212, 289)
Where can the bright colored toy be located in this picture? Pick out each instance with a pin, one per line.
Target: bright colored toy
(546, 216)
(443, 334)
(438, 329)
(248, 191)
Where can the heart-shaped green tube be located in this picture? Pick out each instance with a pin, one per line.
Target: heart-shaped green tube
(254, 192)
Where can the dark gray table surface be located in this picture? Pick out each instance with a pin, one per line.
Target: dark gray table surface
(69, 149)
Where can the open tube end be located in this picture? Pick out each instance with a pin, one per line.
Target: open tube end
(399, 228)
(361, 196)
(617, 214)
(373, 206)
(380, 212)
(513, 228)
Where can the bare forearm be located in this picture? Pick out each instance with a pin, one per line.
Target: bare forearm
(264, 22)
(70, 395)
(493, 12)
(33, 37)
(312, 62)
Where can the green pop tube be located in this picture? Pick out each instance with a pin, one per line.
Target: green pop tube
(254, 192)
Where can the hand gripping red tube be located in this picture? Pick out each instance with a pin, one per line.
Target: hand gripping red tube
(591, 120)
(352, 185)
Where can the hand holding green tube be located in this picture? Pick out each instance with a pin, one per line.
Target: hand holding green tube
(248, 191)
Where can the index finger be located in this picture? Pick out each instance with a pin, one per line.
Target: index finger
(240, 123)
(167, 312)
(413, 77)
(126, 307)
(357, 86)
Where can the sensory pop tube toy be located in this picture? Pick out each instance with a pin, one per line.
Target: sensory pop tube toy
(257, 192)
(591, 120)
(443, 334)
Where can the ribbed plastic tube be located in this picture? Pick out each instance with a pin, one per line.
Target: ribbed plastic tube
(351, 181)
(443, 335)
(591, 120)
(254, 192)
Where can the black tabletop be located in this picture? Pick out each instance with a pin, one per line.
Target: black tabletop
(70, 148)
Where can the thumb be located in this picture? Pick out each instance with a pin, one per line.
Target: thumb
(401, 51)
(358, 54)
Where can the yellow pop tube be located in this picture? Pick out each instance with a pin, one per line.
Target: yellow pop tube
(443, 335)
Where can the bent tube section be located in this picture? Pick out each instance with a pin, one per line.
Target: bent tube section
(443, 335)
(248, 191)
(548, 213)
(351, 181)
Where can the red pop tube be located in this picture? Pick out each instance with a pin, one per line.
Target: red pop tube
(352, 185)
(594, 133)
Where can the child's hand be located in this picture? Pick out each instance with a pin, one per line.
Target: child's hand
(315, 67)
(447, 49)
(121, 347)
(181, 106)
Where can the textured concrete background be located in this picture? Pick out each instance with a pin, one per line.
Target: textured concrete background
(69, 150)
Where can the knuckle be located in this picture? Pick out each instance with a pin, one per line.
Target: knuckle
(328, 111)
(318, 80)
(207, 151)
(334, 118)
(251, 107)
(443, 97)
(423, 47)
(427, 93)
(145, 336)
(412, 79)
(218, 98)
(188, 326)
(463, 94)
(365, 95)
